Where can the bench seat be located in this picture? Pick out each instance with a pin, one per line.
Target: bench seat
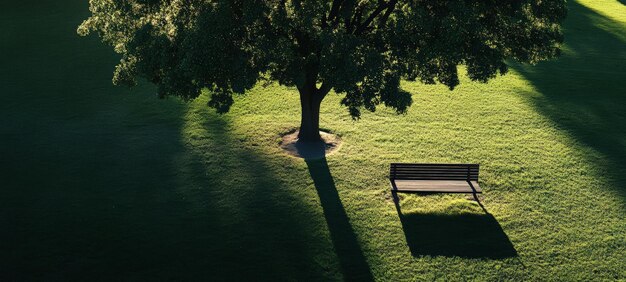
(437, 186)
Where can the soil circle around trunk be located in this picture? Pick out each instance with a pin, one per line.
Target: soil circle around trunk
(329, 144)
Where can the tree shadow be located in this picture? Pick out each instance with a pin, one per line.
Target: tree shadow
(583, 90)
(466, 235)
(103, 182)
(353, 263)
(272, 233)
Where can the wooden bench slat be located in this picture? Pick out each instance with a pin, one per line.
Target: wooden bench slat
(437, 186)
(434, 167)
(433, 172)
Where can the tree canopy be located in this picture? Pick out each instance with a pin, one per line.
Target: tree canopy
(361, 49)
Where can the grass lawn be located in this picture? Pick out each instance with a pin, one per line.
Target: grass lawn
(100, 182)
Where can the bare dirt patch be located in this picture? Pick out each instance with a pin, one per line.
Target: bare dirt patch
(310, 150)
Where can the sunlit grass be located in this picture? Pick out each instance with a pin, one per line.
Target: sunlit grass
(102, 182)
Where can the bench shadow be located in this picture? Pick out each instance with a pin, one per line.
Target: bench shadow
(353, 264)
(466, 235)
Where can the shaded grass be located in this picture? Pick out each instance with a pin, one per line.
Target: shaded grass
(583, 91)
(99, 182)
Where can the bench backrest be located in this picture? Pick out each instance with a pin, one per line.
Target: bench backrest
(404, 171)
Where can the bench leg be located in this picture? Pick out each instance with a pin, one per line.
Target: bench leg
(479, 203)
(476, 196)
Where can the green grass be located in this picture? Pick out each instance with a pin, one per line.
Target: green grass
(100, 182)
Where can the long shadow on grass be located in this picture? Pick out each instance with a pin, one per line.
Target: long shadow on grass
(353, 263)
(467, 235)
(146, 207)
(97, 183)
(268, 237)
(583, 91)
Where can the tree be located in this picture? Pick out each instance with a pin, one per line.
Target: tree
(361, 49)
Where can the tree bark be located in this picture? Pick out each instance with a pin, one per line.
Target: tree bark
(310, 101)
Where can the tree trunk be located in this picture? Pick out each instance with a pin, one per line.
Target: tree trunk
(310, 102)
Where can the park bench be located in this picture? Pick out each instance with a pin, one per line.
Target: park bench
(434, 178)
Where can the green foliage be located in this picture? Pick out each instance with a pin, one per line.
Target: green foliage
(361, 49)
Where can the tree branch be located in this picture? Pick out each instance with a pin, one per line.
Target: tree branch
(345, 13)
(382, 6)
(323, 90)
(356, 17)
(390, 8)
(333, 15)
